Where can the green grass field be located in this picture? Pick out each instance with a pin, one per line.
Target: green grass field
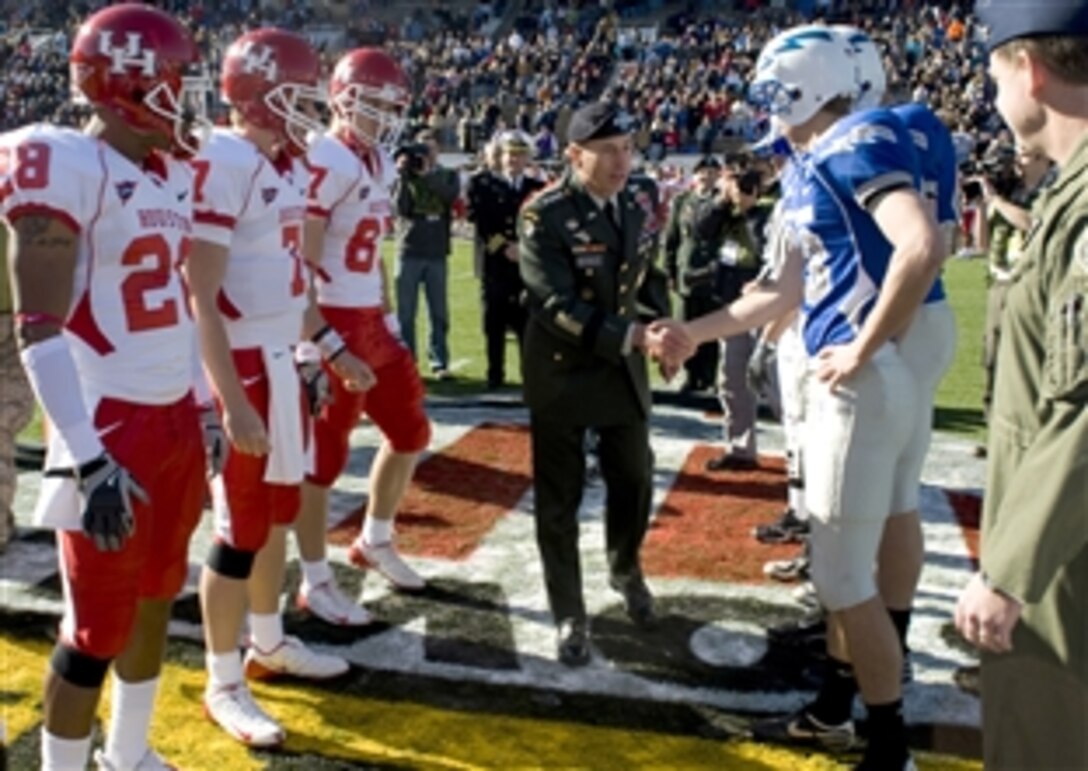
(958, 401)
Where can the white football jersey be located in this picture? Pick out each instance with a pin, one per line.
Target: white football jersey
(129, 327)
(256, 209)
(352, 194)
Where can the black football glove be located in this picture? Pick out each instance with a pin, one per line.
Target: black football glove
(215, 440)
(315, 381)
(108, 489)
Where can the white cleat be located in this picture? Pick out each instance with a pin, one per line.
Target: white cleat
(329, 604)
(383, 557)
(292, 659)
(151, 761)
(233, 708)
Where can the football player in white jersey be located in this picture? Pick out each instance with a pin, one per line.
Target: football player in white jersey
(100, 220)
(864, 252)
(250, 287)
(351, 173)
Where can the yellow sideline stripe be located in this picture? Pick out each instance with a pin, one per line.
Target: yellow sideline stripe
(354, 728)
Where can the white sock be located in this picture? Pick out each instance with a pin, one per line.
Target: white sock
(130, 721)
(224, 668)
(796, 497)
(64, 754)
(266, 631)
(316, 573)
(377, 531)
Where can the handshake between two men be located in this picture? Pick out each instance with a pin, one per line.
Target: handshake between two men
(668, 342)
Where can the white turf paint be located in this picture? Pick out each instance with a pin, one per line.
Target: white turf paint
(507, 557)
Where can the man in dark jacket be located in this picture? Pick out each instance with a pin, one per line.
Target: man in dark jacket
(584, 269)
(493, 203)
(424, 195)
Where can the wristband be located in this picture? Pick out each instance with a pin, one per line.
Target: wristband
(329, 342)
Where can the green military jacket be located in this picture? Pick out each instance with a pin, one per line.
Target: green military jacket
(690, 260)
(584, 280)
(1035, 523)
(5, 286)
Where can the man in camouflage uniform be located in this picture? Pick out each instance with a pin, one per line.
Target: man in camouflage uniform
(585, 259)
(16, 400)
(1027, 609)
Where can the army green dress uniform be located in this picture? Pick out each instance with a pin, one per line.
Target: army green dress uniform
(1035, 521)
(691, 262)
(16, 399)
(584, 276)
(493, 204)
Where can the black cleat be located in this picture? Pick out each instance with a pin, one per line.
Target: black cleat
(787, 529)
(572, 642)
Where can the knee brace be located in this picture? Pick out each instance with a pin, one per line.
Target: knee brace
(227, 561)
(78, 668)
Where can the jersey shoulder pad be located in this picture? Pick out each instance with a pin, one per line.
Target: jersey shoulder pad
(50, 170)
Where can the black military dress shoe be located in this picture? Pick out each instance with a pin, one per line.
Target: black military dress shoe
(729, 462)
(637, 600)
(572, 642)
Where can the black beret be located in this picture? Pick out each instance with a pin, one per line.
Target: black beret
(1012, 19)
(599, 120)
(707, 162)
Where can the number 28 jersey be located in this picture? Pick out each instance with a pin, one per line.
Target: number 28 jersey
(352, 194)
(129, 327)
(254, 207)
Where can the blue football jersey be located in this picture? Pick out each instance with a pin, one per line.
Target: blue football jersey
(937, 165)
(833, 184)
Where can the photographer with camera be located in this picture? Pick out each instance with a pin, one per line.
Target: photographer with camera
(1007, 185)
(423, 197)
(691, 263)
(737, 223)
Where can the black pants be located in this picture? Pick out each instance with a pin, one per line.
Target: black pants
(559, 464)
(502, 311)
(702, 368)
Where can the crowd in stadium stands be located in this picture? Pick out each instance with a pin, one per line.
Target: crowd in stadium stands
(683, 83)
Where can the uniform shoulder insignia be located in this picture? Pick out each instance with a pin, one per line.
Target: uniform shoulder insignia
(545, 196)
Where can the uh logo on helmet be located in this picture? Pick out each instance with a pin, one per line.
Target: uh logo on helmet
(801, 70)
(141, 64)
(271, 78)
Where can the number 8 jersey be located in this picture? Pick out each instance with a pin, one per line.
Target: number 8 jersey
(353, 195)
(129, 327)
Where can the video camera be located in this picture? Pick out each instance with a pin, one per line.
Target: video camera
(998, 166)
(417, 155)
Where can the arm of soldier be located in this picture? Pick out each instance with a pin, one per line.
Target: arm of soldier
(919, 251)
(549, 280)
(204, 272)
(403, 196)
(672, 240)
(43, 254)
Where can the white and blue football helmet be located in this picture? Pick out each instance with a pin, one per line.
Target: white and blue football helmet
(800, 70)
(872, 80)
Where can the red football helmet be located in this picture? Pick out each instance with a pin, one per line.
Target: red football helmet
(132, 59)
(268, 76)
(370, 93)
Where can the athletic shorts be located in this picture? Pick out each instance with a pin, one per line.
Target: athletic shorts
(162, 447)
(394, 404)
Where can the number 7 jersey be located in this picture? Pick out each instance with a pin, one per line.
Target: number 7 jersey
(129, 327)
(352, 195)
